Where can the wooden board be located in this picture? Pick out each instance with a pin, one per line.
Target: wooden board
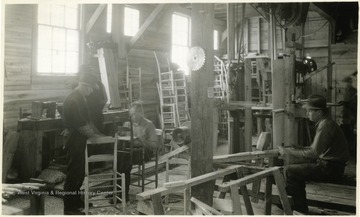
(109, 75)
(9, 148)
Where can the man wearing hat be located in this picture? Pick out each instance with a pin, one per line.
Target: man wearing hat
(79, 128)
(349, 113)
(323, 161)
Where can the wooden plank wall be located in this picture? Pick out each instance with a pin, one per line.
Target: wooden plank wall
(156, 37)
(21, 85)
(316, 45)
(344, 56)
(258, 25)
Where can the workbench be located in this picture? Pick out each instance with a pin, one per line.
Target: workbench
(31, 139)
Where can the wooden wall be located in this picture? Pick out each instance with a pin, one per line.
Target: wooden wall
(21, 84)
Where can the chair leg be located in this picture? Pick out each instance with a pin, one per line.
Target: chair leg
(156, 171)
(143, 176)
(86, 196)
(123, 193)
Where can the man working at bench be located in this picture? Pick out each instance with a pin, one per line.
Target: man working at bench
(323, 161)
(144, 135)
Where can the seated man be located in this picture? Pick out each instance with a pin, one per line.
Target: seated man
(145, 135)
(323, 161)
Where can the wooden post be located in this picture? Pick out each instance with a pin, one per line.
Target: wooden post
(230, 9)
(202, 16)
(117, 32)
(277, 71)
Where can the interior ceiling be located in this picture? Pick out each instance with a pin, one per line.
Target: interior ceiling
(345, 14)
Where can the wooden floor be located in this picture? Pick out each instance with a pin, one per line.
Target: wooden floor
(54, 205)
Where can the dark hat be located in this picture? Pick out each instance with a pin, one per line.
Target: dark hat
(316, 102)
(87, 75)
(347, 79)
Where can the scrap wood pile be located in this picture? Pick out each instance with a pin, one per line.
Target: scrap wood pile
(10, 190)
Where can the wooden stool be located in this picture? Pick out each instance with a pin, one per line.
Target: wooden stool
(115, 176)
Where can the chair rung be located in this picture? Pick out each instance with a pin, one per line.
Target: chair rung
(109, 179)
(104, 206)
(101, 186)
(101, 158)
(101, 174)
(99, 199)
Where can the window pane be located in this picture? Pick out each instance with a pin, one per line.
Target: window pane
(72, 62)
(58, 39)
(58, 61)
(44, 13)
(179, 56)
(108, 18)
(44, 61)
(72, 40)
(57, 15)
(216, 40)
(71, 15)
(181, 23)
(44, 37)
(131, 21)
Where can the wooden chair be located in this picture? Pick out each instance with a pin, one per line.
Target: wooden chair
(128, 148)
(114, 176)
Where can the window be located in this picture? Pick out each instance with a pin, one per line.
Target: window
(108, 18)
(58, 39)
(216, 40)
(180, 41)
(131, 21)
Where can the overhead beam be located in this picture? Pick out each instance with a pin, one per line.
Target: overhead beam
(146, 24)
(94, 18)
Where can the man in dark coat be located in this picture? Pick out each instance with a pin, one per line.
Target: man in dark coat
(79, 128)
(323, 161)
(349, 113)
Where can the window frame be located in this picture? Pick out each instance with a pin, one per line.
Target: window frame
(133, 8)
(187, 70)
(35, 36)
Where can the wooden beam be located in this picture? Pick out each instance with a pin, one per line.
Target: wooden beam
(225, 187)
(306, 77)
(233, 134)
(224, 35)
(245, 156)
(146, 24)
(94, 17)
(259, 35)
(117, 32)
(202, 26)
(190, 182)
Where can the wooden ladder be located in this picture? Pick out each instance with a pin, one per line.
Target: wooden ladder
(221, 92)
(166, 90)
(130, 88)
(181, 96)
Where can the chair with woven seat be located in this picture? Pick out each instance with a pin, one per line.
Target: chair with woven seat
(99, 178)
(129, 148)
